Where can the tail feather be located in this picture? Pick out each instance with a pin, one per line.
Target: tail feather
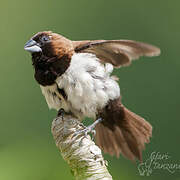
(122, 144)
(123, 132)
(142, 125)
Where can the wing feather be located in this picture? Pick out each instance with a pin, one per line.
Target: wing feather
(117, 52)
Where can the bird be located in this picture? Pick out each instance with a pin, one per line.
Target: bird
(75, 76)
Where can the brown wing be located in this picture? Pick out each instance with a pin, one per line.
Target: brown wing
(117, 52)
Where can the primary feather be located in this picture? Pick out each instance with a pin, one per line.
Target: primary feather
(117, 52)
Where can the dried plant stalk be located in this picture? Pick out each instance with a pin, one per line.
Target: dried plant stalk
(82, 155)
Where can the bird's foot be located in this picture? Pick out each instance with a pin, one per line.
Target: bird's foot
(89, 129)
(61, 113)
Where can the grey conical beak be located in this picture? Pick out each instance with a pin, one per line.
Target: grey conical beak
(32, 46)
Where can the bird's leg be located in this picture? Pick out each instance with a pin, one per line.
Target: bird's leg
(89, 129)
(61, 113)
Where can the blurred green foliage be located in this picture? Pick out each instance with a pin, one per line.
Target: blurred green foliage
(150, 87)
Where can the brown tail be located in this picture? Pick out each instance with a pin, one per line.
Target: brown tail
(122, 131)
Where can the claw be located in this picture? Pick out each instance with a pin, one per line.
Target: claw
(61, 113)
(89, 129)
(93, 134)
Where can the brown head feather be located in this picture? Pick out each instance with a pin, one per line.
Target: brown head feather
(54, 59)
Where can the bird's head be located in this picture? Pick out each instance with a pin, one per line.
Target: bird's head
(51, 55)
(49, 44)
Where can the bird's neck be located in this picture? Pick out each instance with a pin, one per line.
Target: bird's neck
(48, 69)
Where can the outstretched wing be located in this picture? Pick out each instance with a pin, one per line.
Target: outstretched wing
(117, 52)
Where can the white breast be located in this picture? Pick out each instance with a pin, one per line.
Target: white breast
(87, 84)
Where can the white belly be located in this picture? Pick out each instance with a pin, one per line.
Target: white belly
(53, 98)
(87, 84)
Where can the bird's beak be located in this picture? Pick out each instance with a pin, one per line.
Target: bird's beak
(32, 46)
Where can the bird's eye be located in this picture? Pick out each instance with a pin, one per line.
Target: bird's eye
(45, 39)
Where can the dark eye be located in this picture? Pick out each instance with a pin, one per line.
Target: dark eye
(45, 39)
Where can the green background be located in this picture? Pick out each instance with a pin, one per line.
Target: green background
(150, 87)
